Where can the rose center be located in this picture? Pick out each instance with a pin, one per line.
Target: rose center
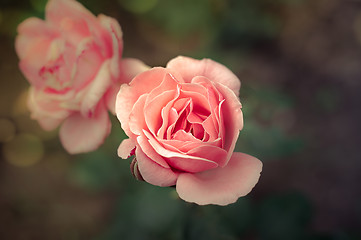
(51, 75)
(191, 120)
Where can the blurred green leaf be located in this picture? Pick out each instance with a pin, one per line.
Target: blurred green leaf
(182, 17)
(39, 5)
(247, 23)
(138, 6)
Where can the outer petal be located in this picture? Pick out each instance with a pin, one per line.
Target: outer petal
(30, 31)
(221, 186)
(56, 10)
(216, 72)
(125, 148)
(110, 97)
(130, 67)
(149, 151)
(153, 173)
(33, 46)
(79, 134)
(136, 118)
(147, 81)
(129, 94)
(71, 18)
(49, 124)
(232, 118)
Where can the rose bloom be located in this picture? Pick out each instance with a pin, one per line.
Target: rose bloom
(73, 63)
(183, 122)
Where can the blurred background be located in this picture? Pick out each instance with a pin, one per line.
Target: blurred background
(299, 64)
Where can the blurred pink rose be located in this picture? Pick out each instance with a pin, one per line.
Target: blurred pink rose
(73, 63)
(183, 122)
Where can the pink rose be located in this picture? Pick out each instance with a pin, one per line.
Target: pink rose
(73, 63)
(183, 122)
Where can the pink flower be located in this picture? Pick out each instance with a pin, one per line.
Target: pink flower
(73, 63)
(183, 122)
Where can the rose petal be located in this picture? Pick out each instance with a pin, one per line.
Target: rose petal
(42, 105)
(214, 99)
(49, 124)
(181, 104)
(186, 163)
(124, 103)
(190, 87)
(213, 153)
(198, 101)
(216, 72)
(79, 134)
(153, 173)
(231, 118)
(136, 119)
(184, 147)
(130, 67)
(47, 120)
(169, 116)
(71, 18)
(110, 97)
(125, 148)
(30, 31)
(153, 109)
(181, 123)
(129, 94)
(150, 152)
(185, 137)
(34, 60)
(195, 118)
(115, 49)
(169, 83)
(209, 127)
(96, 90)
(221, 186)
(181, 161)
(87, 64)
(149, 80)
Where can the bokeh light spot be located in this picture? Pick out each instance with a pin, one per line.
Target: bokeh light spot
(23, 150)
(7, 130)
